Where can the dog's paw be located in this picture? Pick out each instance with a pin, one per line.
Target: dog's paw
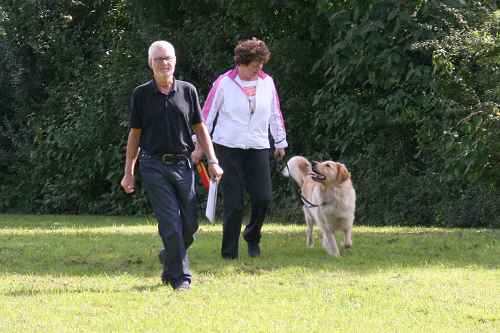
(330, 248)
(333, 253)
(346, 245)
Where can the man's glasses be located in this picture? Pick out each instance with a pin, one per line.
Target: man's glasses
(169, 60)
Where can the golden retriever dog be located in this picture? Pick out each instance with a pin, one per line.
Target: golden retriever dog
(329, 199)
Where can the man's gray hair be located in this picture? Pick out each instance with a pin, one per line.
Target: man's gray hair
(160, 43)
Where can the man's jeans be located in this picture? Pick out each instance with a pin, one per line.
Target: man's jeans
(170, 189)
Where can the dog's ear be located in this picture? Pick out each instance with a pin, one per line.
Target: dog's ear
(342, 173)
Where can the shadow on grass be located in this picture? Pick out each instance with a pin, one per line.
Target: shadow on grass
(373, 252)
(89, 254)
(79, 246)
(79, 290)
(137, 257)
(68, 221)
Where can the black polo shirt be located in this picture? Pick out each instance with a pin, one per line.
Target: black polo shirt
(165, 120)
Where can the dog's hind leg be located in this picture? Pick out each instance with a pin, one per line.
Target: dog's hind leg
(310, 225)
(348, 238)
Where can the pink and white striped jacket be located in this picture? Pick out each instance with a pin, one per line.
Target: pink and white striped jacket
(236, 126)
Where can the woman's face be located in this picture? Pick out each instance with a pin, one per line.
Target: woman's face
(249, 72)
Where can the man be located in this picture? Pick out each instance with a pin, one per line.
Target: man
(164, 113)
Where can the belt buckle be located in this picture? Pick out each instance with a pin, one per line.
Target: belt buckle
(167, 158)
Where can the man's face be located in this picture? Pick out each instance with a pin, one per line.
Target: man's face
(162, 62)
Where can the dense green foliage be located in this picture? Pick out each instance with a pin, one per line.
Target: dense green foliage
(405, 93)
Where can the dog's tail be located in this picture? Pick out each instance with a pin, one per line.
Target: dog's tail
(297, 167)
(285, 171)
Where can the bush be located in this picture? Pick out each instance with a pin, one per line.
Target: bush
(404, 93)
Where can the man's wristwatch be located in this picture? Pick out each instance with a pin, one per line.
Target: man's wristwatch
(214, 161)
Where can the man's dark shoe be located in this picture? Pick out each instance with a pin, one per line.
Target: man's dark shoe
(164, 278)
(183, 286)
(253, 249)
(162, 256)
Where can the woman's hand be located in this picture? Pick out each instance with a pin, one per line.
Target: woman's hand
(279, 153)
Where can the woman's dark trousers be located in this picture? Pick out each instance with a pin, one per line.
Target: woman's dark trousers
(244, 170)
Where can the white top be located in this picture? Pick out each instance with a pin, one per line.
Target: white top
(249, 88)
(245, 112)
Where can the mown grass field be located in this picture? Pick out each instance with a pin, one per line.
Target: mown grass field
(101, 274)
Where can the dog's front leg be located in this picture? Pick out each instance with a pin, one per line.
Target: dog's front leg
(310, 227)
(329, 241)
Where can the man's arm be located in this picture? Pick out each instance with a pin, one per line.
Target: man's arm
(205, 143)
(210, 111)
(128, 180)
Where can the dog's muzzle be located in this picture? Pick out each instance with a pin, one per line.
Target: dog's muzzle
(317, 176)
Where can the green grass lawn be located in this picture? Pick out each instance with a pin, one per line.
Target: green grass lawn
(101, 274)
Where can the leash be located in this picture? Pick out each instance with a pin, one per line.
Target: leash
(306, 203)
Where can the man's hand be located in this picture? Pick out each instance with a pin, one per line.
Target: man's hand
(215, 171)
(128, 184)
(279, 153)
(128, 181)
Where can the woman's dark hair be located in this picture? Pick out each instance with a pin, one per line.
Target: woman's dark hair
(250, 50)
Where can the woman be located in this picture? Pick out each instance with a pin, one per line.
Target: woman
(241, 110)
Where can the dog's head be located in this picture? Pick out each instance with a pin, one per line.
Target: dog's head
(297, 167)
(330, 173)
